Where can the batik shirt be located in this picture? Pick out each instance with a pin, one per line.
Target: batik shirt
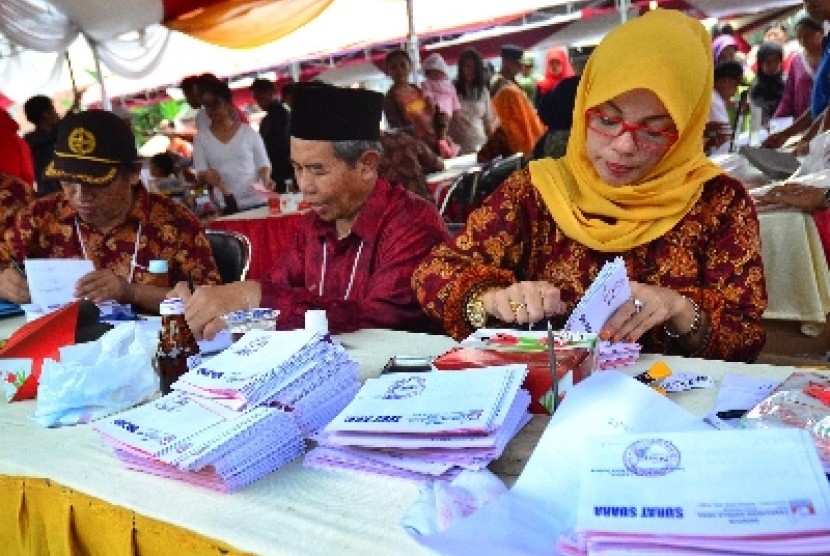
(15, 194)
(712, 255)
(363, 279)
(49, 229)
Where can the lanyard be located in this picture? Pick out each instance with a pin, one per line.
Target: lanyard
(133, 261)
(325, 264)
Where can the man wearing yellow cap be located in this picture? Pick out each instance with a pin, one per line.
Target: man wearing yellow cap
(104, 214)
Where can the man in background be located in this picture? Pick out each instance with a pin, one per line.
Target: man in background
(41, 113)
(275, 132)
(511, 65)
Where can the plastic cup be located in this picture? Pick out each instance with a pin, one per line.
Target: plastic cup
(238, 322)
(274, 205)
(263, 319)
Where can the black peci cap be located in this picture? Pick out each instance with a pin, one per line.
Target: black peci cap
(512, 52)
(90, 147)
(326, 113)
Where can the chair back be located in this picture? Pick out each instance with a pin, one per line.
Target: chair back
(232, 253)
(458, 200)
(494, 175)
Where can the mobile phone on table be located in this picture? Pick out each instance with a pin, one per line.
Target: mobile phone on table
(407, 364)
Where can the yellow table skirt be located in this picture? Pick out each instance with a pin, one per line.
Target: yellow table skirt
(39, 516)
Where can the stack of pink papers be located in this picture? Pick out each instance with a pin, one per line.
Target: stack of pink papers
(426, 425)
(705, 492)
(195, 440)
(615, 355)
(239, 415)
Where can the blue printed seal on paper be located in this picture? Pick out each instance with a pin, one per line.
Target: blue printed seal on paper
(651, 457)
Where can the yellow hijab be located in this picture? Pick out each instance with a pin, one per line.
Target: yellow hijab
(671, 55)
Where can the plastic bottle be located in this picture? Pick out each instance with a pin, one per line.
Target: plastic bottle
(177, 350)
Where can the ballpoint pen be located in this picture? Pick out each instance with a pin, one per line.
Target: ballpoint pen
(18, 268)
(554, 378)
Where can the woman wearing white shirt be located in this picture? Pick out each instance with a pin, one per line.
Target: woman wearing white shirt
(230, 156)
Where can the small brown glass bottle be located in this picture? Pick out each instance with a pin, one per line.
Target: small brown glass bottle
(177, 351)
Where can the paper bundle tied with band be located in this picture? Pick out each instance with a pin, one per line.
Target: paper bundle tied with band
(94, 379)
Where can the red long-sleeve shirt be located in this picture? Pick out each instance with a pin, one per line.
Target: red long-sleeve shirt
(364, 279)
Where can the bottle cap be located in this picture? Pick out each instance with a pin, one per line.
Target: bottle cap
(157, 266)
(316, 321)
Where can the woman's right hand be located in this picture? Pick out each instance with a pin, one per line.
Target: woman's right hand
(14, 287)
(524, 302)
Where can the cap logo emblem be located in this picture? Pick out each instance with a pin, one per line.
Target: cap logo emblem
(81, 141)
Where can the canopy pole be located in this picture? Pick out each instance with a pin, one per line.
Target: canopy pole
(71, 74)
(412, 43)
(106, 104)
(622, 6)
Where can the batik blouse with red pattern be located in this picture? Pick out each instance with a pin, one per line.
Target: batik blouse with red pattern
(15, 194)
(711, 256)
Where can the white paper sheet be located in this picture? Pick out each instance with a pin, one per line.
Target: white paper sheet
(542, 503)
(52, 281)
(704, 484)
(608, 291)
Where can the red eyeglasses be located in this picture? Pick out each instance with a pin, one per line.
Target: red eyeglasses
(645, 137)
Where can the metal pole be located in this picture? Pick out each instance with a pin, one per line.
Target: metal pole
(412, 43)
(622, 6)
(106, 104)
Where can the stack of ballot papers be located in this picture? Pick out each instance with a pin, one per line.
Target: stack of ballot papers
(203, 443)
(426, 425)
(298, 370)
(239, 415)
(703, 492)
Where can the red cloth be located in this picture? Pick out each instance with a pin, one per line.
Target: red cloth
(39, 339)
(393, 232)
(270, 238)
(15, 155)
(822, 220)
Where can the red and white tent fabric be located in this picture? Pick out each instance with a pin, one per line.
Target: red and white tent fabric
(141, 44)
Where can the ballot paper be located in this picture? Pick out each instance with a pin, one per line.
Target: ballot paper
(741, 491)
(52, 281)
(242, 415)
(426, 425)
(542, 503)
(198, 441)
(608, 291)
(432, 403)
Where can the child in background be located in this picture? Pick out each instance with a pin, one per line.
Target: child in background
(163, 175)
(439, 89)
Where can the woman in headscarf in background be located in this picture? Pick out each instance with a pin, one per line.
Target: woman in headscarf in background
(518, 129)
(768, 87)
(557, 67)
(634, 184)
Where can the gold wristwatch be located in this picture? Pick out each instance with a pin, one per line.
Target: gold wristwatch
(475, 312)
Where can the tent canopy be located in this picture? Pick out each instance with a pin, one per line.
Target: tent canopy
(148, 44)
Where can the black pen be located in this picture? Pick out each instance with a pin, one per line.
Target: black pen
(190, 282)
(18, 268)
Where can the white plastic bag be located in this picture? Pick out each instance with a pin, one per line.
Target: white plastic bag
(96, 379)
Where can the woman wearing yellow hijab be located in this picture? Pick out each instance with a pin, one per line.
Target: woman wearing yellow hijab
(635, 184)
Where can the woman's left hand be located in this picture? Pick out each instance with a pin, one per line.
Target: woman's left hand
(648, 307)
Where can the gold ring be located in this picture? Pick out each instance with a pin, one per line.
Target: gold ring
(516, 306)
